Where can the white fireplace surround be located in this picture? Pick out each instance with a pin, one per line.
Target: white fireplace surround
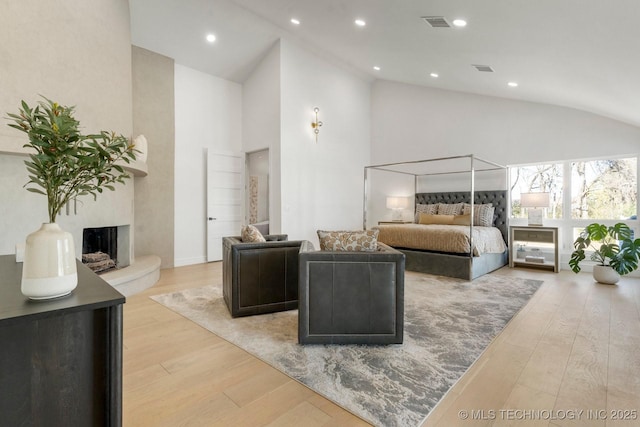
(24, 212)
(123, 255)
(124, 246)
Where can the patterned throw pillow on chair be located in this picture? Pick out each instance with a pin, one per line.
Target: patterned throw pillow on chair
(354, 241)
(251, 234)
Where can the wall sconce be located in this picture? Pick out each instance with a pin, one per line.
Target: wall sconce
(316, 124)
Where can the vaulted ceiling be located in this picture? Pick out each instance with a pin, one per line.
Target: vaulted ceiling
(582, 54)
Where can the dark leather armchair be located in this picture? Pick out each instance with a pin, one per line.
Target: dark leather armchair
(260, 277)
(351, 297)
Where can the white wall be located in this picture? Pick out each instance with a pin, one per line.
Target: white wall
(383, 184)
(207, 115)
(261, 124)
(76, 53)
(23, 212)
(153, 117)
(412, 123)
(322, 183)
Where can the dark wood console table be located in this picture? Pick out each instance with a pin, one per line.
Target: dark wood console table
(60, 359)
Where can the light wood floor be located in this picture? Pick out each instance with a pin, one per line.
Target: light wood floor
(574, 347)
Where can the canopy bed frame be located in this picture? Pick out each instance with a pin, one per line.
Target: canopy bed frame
(459, 265)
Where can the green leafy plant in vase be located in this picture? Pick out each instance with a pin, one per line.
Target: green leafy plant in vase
(63, 164)
(614, 251)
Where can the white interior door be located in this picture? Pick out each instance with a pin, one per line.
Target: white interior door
(225, 193)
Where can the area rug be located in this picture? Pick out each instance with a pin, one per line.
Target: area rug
(448, 324)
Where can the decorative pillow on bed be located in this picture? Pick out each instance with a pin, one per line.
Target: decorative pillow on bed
(449, 209)
(482, 214)
(436, 219)
(428, 209)
(462, 219)
(250, 234)
(354, 241)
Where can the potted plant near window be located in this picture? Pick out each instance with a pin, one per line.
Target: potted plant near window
(616, 255)
(63, 165)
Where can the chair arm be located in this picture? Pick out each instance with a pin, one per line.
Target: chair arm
(267, 237)
(306, 246)
(275, 237)
(384, 253)
(271, 239)
(266, 245)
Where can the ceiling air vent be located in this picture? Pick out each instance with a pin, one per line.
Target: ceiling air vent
(436, 21)
(483, 68)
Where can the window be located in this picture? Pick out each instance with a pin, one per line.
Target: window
(545, 178)
(580, 192)
(604, 189)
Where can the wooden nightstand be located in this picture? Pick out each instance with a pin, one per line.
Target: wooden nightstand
(534, 247)
(394, 222)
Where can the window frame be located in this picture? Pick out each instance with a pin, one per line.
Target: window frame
(566, 224)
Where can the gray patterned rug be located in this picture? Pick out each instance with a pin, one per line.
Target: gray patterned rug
(448, 324)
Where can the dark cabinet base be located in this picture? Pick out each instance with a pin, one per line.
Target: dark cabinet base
(61, 360)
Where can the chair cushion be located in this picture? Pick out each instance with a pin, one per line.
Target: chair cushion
(251, 234)
(354, 241)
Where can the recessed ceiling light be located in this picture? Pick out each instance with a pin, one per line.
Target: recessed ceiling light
(211, 38)
(434, 75)
(295, 21)
(375, 67)
(459, 22)
(360, 22)
(513, 84)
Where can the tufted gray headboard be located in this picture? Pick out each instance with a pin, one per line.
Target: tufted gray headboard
(498, 198)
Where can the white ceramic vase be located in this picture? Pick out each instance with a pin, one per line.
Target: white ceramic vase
(605, 274)
(49, 267)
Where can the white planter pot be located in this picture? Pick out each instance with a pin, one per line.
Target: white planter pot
(605, 274)
(49, 268)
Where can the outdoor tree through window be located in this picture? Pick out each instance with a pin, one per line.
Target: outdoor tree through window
(546, 178)
(604, 189)
(600, 189)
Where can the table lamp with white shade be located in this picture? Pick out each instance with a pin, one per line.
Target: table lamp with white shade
(534, 202)
(397, 204)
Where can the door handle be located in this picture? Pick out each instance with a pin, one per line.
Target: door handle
(212, 219)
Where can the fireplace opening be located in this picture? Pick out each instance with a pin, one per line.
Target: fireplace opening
(100, 248)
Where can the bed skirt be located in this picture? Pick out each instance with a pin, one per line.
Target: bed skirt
(451, 265)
